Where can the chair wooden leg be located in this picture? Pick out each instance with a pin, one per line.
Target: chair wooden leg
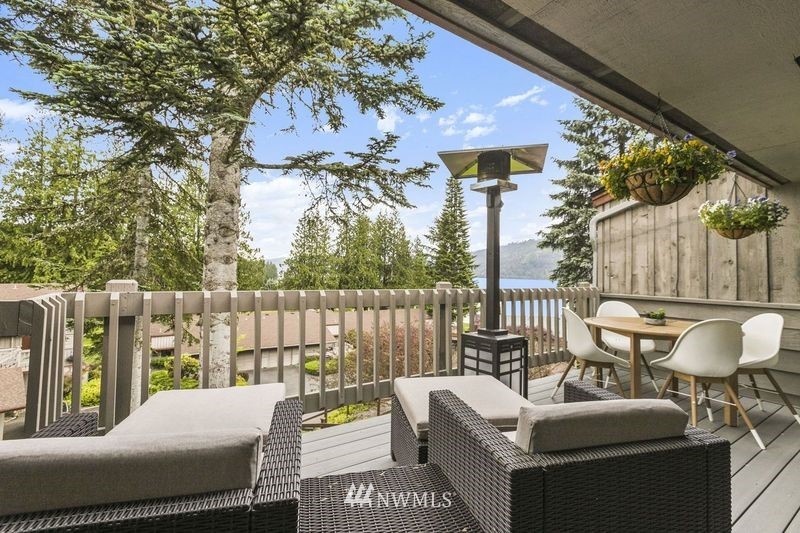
(583, 370)
(782, 394)
(598, 376)
(743, 412)
(756, 391)
(665, 386)
(613, 372)
(563, 376)
(693, 399)
(708, 402)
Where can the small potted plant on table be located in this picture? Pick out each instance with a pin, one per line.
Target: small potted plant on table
(663, 173)
(656, 318)
(737, 220)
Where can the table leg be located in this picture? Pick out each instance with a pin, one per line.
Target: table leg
(636, 365)
(730, 413)
(598, 336)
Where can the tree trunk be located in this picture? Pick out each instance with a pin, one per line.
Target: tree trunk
(141, 254)
(221, 242)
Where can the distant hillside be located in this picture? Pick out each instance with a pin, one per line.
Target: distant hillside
(520, 260)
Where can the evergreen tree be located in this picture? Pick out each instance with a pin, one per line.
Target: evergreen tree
(598, 134)
(393, 249)
(308, 266)
(357, 260)
(419, 273)
(451, 259)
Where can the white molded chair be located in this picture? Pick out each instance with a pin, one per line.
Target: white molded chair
(620, 343)
(707, 352)
(583, 349)
(761, 352)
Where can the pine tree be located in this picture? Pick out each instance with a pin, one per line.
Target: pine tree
(357, 261)
(451, 259)
(308, 266)
(393, 249)
(419, 275)
(598, 135)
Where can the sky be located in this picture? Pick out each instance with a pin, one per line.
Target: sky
(488, 102)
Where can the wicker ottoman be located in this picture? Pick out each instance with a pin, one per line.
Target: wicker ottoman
(494, 401)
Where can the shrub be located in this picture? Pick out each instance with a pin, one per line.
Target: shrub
(90, 393)
(160, 361)
(190, 367)
(347, 413)
(312, 366)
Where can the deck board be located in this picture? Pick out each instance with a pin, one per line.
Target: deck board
(766, 491)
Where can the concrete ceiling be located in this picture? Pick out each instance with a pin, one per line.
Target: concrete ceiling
(723, 70)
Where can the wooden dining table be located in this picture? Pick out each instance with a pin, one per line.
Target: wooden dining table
(636, 330)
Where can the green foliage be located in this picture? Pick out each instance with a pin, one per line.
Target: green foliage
(312, 366)
(90, 393)
(310, 262)
(347, 413)
(757, 213)
(357, 260)
(160, 361)
(658, 314)
(451, 259)
(393, 251)
(597, 134)
(675, 161)
(190, 367)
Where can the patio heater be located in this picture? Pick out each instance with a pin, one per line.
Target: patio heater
(493, 350)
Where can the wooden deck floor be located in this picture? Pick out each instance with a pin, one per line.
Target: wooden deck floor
(766, 484)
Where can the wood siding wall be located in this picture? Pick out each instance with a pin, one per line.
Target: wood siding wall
(666, 255)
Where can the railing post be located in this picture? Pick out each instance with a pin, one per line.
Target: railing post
(128, 359)
(443, 323)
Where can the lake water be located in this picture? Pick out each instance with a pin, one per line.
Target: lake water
(511, 283)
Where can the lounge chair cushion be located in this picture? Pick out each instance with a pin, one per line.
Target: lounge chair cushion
(57, 473)
(179, 411)
(491, 399)
(569, 426)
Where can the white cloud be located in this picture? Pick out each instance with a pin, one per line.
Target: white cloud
(390, 120)
(477, 213)
(14, 110)
(479, 118)
(275, 206)
(479, 131)
(562, 107)
(451, 119)
(516, 99)
(422, 117)
(451, 130)
(536, 99)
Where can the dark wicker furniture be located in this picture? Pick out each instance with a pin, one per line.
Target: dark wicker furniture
(407, 449)
(272, 506)
(677, 484)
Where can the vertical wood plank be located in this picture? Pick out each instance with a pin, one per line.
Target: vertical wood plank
(34, 414)
(146, 322)
(234, 348)
(77, 351)
(523, 323)
(753, 268)
(110, 371)
(437, 325)
(483, 307)
(206, 338)
(258, 355)
(666, 240)
(359, 346)
(323, 345)
(784, 247)
(448, 327)
(407, 333)
(281, 320)
(472, 309)
(301, 324)
(340, 344)
(421, 309)
(392, 338)
(376, 343)
(459, 326)
(721, 253)
(692, 241)
(178, 342)
(503, 309)
(557, 293)
(540, 297)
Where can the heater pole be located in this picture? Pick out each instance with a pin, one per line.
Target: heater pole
(493, 205)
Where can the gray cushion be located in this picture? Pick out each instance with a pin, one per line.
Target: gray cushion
(491, 399)
(45, 474)
(569, 426)
(186, 411)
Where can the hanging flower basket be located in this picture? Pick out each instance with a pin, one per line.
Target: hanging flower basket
(737, 220)
(663, 173)
(644, 186)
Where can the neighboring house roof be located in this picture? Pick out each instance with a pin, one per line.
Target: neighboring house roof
(162, 337)
(23, 291)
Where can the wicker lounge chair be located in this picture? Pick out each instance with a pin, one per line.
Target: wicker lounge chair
(675, 484)
(271, 506)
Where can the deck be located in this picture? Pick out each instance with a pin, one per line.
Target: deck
(766, 484)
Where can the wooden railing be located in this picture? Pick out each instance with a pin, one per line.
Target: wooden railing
(434, 349)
